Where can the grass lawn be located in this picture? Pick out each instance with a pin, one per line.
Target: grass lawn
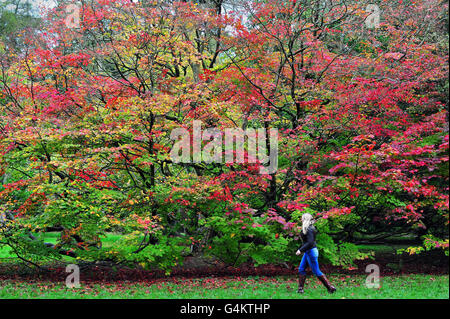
(349, 287)
(52, 237)
(111, 239)
(383, 249)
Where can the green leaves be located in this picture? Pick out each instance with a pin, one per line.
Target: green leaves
(86, 116)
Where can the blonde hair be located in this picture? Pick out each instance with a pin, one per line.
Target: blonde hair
(307, 220)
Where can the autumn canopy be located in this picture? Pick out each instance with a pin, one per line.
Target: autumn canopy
(88, 101)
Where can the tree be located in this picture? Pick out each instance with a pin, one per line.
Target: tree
(87, 112)
(16, 16)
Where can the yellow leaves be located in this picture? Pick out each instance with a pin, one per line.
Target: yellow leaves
(412, 250)
(232, 235)
(189, 25)
(112, 252)
(115, 222)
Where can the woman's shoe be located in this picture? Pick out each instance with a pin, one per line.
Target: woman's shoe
(331, 289)
(301, 283)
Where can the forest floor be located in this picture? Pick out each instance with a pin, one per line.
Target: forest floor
(401, 276)
(415, 286)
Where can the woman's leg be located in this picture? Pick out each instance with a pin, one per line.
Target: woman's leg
(313, 260)
(303, 265)
(302, 274)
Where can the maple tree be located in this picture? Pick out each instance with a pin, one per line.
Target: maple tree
(87, 113)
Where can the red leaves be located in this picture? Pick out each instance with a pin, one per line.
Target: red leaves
(335, 212)
(361, 115)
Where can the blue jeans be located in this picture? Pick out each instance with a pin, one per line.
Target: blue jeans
(311, 258)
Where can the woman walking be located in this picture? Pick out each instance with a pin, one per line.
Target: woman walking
(311, 255)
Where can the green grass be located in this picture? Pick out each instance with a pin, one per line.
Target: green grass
(52, 237)
(380, 250)
(5, 252)
(111, 239)
(349, 287)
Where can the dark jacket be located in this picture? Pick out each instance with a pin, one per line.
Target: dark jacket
(309, 239)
